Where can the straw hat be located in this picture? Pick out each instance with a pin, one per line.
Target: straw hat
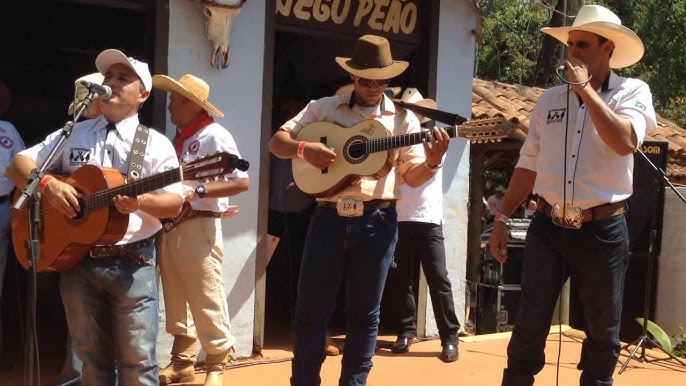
(372, 59)
(108, 58)
(80, 91)
(191, 87)
(391, 92)
(412, 95)
(601, 21)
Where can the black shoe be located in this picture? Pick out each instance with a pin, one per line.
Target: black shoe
(450, 353)
(402, 344)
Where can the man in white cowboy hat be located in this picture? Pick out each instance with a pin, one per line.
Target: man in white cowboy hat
(578, 157)
(421, 241)
(353, 232)
(192, 252)
(495, 201)
(110, 296)
(81, 91)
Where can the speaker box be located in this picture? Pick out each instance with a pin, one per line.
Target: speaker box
(497, 307)
(645, 209)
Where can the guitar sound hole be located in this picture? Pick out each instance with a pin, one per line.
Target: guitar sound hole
(355, 150)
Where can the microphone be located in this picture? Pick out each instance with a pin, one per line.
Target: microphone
(105, 92)
(561, 68)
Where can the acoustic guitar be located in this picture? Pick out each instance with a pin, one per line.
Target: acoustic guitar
(363, 150)
(65, 241)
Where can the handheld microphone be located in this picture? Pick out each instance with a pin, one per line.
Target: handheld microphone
(105, 92)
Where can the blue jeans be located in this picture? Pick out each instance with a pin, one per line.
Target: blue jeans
(112, 313)
(355, 249)
(596, 258)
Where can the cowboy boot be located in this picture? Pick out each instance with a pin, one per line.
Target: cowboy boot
(181, 368)
(214, 364)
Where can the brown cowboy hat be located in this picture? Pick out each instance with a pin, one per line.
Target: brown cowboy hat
(191, 87)
(601, 21)
(391, 92)
(372, 59)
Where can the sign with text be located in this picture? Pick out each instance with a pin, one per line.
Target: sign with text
(397, 20)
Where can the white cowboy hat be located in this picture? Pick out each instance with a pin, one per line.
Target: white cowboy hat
(412, 95)
(372, 59)
(191, 87)
(107, 58)
(601, 21)
(80, 91)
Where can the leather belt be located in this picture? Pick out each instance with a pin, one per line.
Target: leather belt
(129, 250)
(597, 213)
(4, 198)
(368, 205)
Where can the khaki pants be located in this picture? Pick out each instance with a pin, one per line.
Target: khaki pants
(191, 267)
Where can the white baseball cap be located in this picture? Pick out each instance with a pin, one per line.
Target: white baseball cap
(107, 58)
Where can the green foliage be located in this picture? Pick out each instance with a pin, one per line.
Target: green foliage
(511, 40)
(680, 346)
(658, 334)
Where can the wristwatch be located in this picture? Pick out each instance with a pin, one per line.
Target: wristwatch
(502, 218)
(433, 169)
(200, 190)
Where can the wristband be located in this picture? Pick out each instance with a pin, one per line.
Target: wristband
(44, 182)
(502, 218)
(434, 168)
(301, 149)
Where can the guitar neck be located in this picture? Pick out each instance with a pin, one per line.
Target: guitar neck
(402, 140)
(103, 198)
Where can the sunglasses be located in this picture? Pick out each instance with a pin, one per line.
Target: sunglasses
(372, 82)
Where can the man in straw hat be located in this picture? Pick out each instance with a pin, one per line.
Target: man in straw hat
(353, 244)
(193, 250)
(80, 92)
(110, 297)
(578, 157)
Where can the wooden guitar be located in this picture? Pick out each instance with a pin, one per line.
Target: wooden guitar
(363, 150)
(65, 241)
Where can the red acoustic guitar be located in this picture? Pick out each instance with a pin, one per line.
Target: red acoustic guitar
(65, 241)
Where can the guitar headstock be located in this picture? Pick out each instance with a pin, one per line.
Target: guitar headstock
(483, 130)
(213, 167)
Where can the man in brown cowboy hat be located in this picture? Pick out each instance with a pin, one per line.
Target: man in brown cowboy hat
(578, 157)
(193, 250)
(353, 232)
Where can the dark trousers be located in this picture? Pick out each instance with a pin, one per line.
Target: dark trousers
(420, 242)
(359, 250)
(596, 258)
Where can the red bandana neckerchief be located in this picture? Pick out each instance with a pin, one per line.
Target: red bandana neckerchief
(196, 125)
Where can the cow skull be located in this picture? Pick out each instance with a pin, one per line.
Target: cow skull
(220, 15)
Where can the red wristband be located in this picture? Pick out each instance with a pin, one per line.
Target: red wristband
(44, 182)
(301, 149)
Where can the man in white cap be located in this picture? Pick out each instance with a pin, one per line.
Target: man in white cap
(110, 296)
(192, 251)
(578, 157)
(353, 231)
(421, 241)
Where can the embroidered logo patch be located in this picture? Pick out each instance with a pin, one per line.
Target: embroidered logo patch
(6, 142)
(79, 156)
(556, 115)
(194, 147)
(640, 105)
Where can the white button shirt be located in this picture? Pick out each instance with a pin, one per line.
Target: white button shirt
(10, 144)
(211, 139)
(594, 174)
(89, 144)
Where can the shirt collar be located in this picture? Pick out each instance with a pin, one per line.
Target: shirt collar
(386, 106)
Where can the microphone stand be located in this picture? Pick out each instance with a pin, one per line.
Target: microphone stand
(644, 338)
(32, 245)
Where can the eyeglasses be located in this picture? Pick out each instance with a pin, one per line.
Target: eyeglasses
(372, 82)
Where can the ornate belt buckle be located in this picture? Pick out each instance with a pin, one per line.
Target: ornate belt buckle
(350, 207)
(567, 217)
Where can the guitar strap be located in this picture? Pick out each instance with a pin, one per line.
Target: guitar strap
(436, 115)
(140, 142)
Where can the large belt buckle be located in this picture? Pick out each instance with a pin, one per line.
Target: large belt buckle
(350, 206)
(569, 217)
